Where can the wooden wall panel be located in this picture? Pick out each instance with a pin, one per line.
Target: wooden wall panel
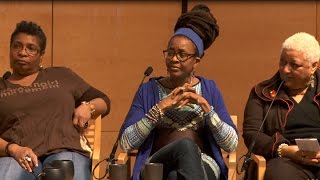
(111, 44)
(12, 12)
(247, 50)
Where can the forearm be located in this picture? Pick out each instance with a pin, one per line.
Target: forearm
(136, 134)
(256, 127)
(99, 107)
(91, 95)
(225, 135)
(3, 145)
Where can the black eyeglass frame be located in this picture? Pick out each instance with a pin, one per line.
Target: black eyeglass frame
(188, 56)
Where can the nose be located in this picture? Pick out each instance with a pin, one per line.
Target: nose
(23, 51)
(174, 58)
(286, 68)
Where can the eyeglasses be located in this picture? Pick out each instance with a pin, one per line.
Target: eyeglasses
(30, 49)
(181, 56)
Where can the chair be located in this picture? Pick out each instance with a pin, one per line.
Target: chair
(229, 158)
(93, 135)
(261, 165)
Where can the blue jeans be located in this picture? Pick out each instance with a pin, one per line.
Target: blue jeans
(10, 169)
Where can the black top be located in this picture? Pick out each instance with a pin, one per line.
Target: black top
(303, 119)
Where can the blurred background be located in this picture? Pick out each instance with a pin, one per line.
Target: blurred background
(111, 43)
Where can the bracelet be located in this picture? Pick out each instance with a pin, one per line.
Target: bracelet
(154, 114)
(6, 149)
(210, 113)
(280, 147)
(91, 106)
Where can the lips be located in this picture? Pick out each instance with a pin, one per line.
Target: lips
(21, 62)
(173, 68)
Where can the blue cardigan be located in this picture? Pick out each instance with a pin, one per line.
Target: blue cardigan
(148, 95)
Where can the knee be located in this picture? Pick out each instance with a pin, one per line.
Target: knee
(278, 166)
(186, 144)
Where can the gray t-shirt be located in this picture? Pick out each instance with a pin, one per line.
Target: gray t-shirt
(40, 116)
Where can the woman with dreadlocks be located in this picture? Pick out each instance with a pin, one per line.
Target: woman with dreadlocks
(181, 120)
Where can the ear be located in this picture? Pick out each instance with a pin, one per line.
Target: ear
(315, 66)
(41, 56)
(195, 65)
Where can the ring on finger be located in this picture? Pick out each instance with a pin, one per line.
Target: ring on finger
(27, 158)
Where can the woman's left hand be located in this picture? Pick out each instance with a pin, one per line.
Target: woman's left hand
(310, 158)
(81, 116)
(303, 157)
(188, 96)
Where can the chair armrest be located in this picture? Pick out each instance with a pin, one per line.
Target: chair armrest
(232, 160)
(123, 158)
(232, 175)
(261, 162)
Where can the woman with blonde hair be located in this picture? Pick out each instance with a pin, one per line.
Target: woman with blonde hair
(294, 114)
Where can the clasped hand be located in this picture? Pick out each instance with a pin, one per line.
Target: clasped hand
(184, 95)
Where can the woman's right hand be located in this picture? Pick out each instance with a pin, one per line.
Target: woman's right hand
(171, 101)
(26, 158)
(303, 157)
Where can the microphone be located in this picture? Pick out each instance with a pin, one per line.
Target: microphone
(6, 75)
(147, 72)
(247, 157)
(111, 158)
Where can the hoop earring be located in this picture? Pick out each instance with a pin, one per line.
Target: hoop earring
(193, 72)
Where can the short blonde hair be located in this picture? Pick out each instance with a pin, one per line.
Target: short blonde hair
(305, 43)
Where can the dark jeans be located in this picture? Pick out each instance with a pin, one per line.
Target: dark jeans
(182, 161)
(283, 168)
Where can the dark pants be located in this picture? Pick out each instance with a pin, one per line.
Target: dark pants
(182, 161)
(283, 168)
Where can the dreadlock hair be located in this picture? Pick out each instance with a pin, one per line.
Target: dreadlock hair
(202, 22)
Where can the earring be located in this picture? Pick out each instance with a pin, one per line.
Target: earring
(193, 72)
(311, 82)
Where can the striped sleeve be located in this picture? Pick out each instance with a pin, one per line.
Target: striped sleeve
(136, 134)
(225, 135)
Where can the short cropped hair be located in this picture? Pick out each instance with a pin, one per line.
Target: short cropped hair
(304, 43)
(30, 28)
